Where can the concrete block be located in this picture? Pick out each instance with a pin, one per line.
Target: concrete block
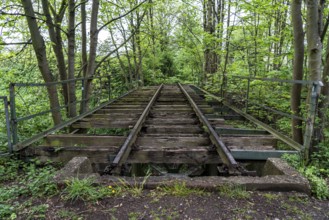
(76, 167)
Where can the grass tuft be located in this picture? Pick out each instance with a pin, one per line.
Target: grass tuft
(234, 191)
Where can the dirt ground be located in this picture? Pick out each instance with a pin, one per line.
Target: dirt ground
(151, 204)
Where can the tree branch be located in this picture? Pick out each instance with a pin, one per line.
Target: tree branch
(121, 16)
(114, 51)
(15, 43)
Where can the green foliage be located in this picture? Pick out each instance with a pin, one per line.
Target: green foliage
(9, 169)
(233, 191)
(318, 184)
(179, 189)
(313, 173)
(293, 160)
(82, 189)
(28, 180)
(320, 158)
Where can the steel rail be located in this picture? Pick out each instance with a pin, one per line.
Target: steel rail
(301, 82)
(221, 148)
(5, 103)
(57, 109)
(21, 145)
(275, 133)
(57, 82)
(121, 157)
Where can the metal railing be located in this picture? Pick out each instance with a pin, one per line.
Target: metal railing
(311, 100)
(6, 111)
(14, 87)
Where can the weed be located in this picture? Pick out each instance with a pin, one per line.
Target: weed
(234, 191)
(134, 215)
(39, 182)
(319, 185)
(295, 198)
(38, 211)
(29, 181)
(80, 189)
(179, 189)
(271, 196)
(296, 211)
(67, 214)
(9, 169)
(136, 189)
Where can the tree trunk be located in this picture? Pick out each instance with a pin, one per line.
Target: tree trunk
(324, 103)
(71, 59)
(210, 55)
(296, 16)
(84, 38)
(57, 42)
(40, 51)
(139, 50)
(227, 49)
(314, 64)
(92, 54)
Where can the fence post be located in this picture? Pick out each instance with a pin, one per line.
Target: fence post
(109, 86)
(309, 128)
(247, 95)
(82, 104)
(5, 102)
(13, 116)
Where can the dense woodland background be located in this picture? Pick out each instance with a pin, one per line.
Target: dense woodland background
(202, 42)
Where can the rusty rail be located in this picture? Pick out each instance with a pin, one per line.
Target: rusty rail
(121, 157)
(221, 148)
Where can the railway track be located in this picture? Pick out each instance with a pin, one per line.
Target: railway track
(168, 128)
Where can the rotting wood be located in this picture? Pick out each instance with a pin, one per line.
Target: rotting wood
(105, 123)
(86, 140)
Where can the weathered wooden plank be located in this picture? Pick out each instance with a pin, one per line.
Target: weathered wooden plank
(105, 123)
(172, 142)
(208, 110)
(251, 147)
(125, 106)
(241, 142)
(197, 156)
(166, 107)
(135, 99)
(169, 99)
(65, 154)
(216, 121)
(233, 117)
(186, 111)
(171, 115)
(171, 121)
(259, 154)
(240, 131)
(172, 129)
(118, 115)
(84, 140)
(107, 111)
